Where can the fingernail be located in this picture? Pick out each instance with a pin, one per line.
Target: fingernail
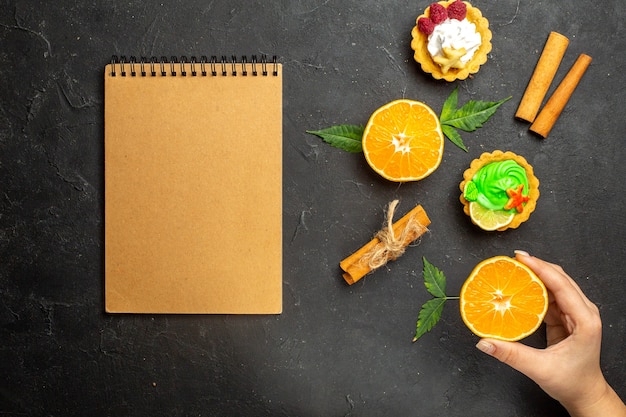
(522, 252)
(486, 347)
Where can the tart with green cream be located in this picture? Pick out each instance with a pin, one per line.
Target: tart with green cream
(499, 191)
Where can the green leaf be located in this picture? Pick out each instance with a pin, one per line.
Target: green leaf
(468, 118)
(449, 106)
(346, 137)
(454, 136)
(472, 115)
(434, 280)
(429, 315)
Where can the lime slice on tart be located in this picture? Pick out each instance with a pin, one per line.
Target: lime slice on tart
(488, 219)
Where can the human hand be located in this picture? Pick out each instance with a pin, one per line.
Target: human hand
(569, 368)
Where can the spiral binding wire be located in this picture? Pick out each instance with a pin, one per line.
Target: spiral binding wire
(193, 67)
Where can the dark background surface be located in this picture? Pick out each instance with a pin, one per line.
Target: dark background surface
(336, 350)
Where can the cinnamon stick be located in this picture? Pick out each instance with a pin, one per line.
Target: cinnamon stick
(542, 77)
(388, 244)
(556, 103)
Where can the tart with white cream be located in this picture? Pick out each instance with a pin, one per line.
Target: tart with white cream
(451, 40)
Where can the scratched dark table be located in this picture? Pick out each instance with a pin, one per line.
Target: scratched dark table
(336, 350)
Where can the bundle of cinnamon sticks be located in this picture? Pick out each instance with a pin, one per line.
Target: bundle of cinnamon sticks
(388, 244)
(547, 66)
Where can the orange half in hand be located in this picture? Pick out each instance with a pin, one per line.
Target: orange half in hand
(402, 141)
(503, 299)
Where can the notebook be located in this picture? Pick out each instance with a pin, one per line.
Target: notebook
(193, 185)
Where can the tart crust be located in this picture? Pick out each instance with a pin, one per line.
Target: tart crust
(496, 156)
(419, 44)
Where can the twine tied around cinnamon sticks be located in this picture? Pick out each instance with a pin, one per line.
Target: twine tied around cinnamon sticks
(391, 246)
(388, 244)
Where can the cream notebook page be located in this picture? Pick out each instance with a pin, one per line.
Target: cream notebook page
(193, 188)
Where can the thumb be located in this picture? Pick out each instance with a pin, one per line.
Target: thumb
(523, 358)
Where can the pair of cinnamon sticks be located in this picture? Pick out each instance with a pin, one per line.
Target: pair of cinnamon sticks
(547, 66)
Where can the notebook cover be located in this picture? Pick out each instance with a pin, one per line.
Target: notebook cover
(193, 194)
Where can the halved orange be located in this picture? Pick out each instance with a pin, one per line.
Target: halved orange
(403, 141)
(503, 299)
